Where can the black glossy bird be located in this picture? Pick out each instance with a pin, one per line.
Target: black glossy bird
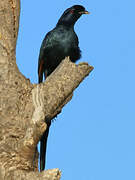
(62, 41)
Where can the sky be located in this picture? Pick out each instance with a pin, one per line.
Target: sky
(93, 138)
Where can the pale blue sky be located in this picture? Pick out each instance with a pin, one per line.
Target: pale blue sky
(93, 138)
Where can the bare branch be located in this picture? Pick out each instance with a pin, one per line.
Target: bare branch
(53, 174)
(49, 97)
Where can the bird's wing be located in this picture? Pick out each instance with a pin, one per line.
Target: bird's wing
(41, 64)
(41, 59)
(40, 70)
(48, 44)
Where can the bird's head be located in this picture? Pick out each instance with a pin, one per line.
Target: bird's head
(71, 15)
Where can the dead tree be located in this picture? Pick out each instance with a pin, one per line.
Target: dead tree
(24, 107)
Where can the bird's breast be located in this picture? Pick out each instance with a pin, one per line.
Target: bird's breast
(59, 44)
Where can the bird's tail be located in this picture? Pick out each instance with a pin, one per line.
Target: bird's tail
(43, 146)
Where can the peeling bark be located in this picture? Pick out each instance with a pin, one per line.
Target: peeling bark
(24, 107)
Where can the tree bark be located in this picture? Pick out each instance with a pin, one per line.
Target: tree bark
(25, 107)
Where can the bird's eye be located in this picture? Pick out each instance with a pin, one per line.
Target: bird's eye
(72, 11)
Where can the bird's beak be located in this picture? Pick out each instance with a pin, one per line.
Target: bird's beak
(84, 12)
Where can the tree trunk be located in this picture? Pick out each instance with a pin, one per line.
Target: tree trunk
(24, 107)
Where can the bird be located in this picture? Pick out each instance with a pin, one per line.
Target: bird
(60, 42)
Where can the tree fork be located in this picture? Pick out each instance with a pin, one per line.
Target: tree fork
(24, 107)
